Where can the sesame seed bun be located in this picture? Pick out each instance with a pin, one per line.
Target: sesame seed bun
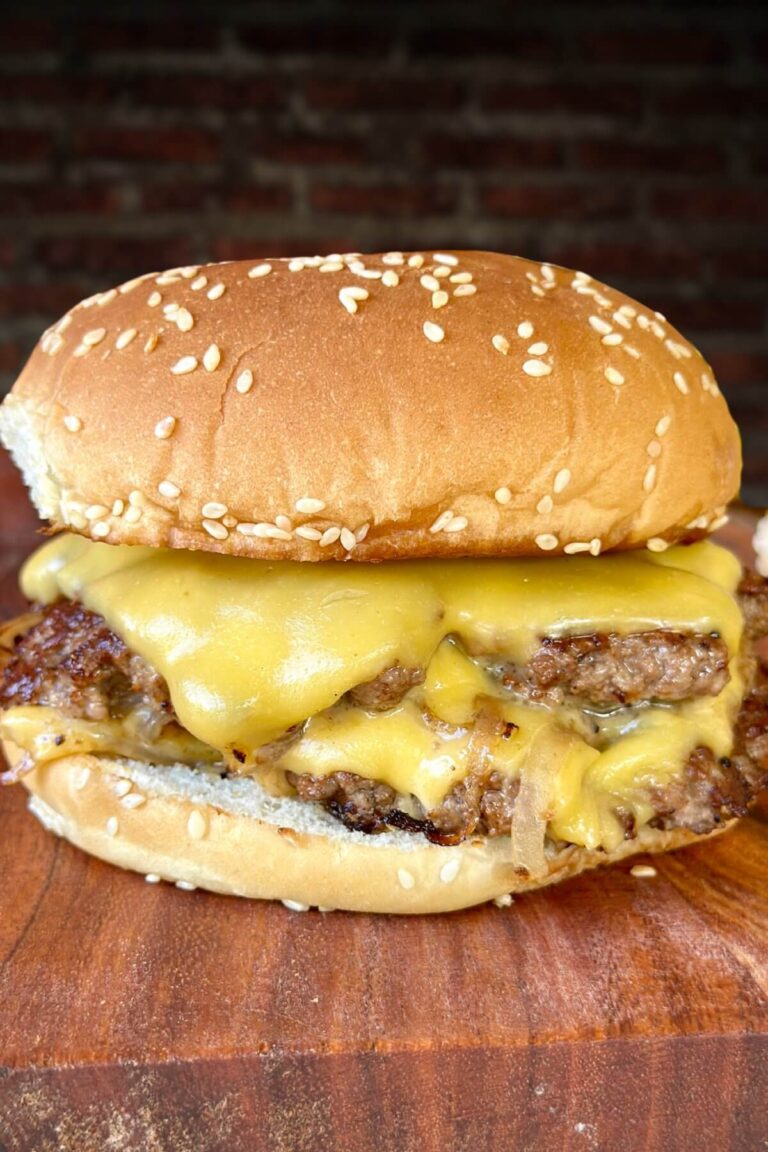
(196, 830)
(437, 404)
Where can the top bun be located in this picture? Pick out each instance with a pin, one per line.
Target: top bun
(389, 406)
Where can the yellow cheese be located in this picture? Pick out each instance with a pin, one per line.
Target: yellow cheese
(249, 648)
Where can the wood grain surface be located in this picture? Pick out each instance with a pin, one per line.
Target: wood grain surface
(607, 1013)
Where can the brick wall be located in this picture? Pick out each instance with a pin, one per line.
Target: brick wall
(625, 139)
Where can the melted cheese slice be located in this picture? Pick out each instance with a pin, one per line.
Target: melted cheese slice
(249, 648)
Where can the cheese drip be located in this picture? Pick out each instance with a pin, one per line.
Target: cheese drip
(249, 648)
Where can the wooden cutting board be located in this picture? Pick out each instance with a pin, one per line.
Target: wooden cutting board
(607, 1013)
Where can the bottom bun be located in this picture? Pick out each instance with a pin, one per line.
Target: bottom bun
(189, 826)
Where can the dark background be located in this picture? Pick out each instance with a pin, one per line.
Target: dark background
(625, 139)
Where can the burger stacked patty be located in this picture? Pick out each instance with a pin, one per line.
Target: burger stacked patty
(69, 659)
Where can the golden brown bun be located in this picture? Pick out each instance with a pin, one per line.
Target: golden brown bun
(599, 424)
(229, 836)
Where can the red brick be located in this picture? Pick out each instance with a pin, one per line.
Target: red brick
(32, 88)
(735, 264)
(394, 94)
(473, 42)
(270, 244)
(555, 202)
(112, 256)
(713, 314)
(644, 157)
(257, 198)
(301, 148)
(597, 99)
(206, 91)
(384, 200)
(310, 37)
(60, 199)
(627, 260)
(740, 368)
(11, 356)
(8, 252)
(49, 299)
(713, 99)
(20, 144)
(662, 48)
(470, 153)
(26, 36)
(735, 202)
(171, 144)
(182, 35)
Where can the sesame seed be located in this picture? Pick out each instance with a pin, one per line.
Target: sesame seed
(433, 332)
(73, 423)
(465, 290)
(170, 310)
(348, 540)
(164, 428)
(575, 547)
(536, 290)
(216, 530)
(681, 383)
(308, 505)
(133, 515)
(133, 800)
(348, 302)
(643, 871)
(390, 279)
(656, 544)
(405, 877)
(96, 512)
(284, 522)
(229, 521)
(461, 278)
(443, 519)
(599, 325)
(546, 542)
(125, 338)
(137, 498)
(152, 342)
(94, 337)
(595, 546)
(500, 343)
(169, 489)
(295, 906)
(185, 886)
(544, 506)
(307, 533)
(152, 878)
(213, 510)
(112, 826)
(367, 273)
(154, 299)
(416, 260)
(129, 285)
(185, 321)
(296, 265)
(441, 272)
(502, 495)
(456, 524)
(562, 479)
(362, 532)
(81, 779)
(536, 368)
(431, 283)
(622, 321)
(650, 478)
(353, 292)
(395, 258)
(184, 366)
(330, 536)
(118, 508)
(643, 321)
(548, 273)
(100, 529)
(630, 351)
(539, 349)
(196, 826)
(525, 330)
(719, 522)
(450, 871)
(627, 310)
(212, 358)
(505, 901)
(199, 283)
(653, 448)
(612, 339)
(331, 266)
(657, 330)
(613, 376)
(216, 292)
(244, 381)
(440, 299)
(168, 278)
(245, 528)
(445, 258)
(663, 425)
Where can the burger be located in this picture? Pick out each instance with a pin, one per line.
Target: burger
(378, 583)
